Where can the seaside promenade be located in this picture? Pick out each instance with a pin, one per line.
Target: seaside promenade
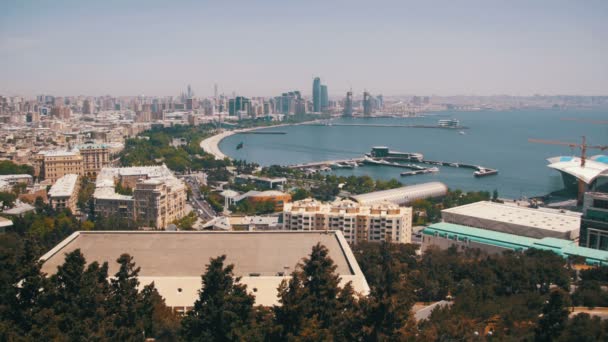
(211, 144)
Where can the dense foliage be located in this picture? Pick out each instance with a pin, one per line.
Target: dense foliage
(77, 303)
(7, 167)
(508, 297)
(154, 147)
(429, 210)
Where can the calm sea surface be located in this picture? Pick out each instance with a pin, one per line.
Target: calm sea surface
(494, 139)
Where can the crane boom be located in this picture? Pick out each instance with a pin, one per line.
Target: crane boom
(553, 142)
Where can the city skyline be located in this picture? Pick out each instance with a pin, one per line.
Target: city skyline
(147, 48)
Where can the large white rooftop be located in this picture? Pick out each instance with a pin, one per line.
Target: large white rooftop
(504, 215)
(174, 261)
(404, 195)
(64, 186)
(15, 177)
(59, 153)
(595, 166)
(106, 179)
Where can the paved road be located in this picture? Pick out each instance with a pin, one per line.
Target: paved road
(201, 207)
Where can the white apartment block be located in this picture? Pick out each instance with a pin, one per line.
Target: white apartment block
(64, 193)
(158, 199)
(378, 222)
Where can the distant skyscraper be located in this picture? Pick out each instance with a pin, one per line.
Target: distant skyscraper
(190, 94)
(316, 95)
(238, 104)
(324, 98)
(380, 101)
(87, 107)
(189, 103)
(367, 104)
(348, 104)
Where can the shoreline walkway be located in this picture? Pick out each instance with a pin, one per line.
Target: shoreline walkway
(211, 144)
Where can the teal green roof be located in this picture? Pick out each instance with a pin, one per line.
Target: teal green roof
(561, 247)
(489, 237)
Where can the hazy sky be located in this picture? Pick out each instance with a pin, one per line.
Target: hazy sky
(266, 47)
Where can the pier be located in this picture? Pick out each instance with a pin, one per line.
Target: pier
(420, 172)
(261, 132)
(387, 125)
(326, 163)
(480, 171)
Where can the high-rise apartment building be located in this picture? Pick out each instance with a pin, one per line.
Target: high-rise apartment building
(348, 104)
(378, 222)
(238, 104)
(87, 107)
(324, 98)
(316, 95)
(61, 112)
(367, 104)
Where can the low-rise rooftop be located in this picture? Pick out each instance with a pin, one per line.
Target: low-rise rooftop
(64, 186)
(514, 242)
(529, 217)
(175, 261)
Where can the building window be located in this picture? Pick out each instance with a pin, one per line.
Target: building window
(602, 204)
(597, 239)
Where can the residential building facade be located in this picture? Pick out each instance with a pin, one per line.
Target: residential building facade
(594, 222)
(158, 198)
(377, 222)
(64, 193)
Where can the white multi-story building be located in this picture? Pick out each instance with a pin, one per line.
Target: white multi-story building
(64, 193)
(383, 221)
(158, 198)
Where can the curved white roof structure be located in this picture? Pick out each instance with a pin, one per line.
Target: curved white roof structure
(594, 167)
(403, 195)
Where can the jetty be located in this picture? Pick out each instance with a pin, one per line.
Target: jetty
(382, 162)
(382, 156)
(420, 172)
(387, 125)
(261, 132)
(327, 163)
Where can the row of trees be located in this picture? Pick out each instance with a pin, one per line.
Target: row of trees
(521, 296)
(7, 167)
(78, 303)
(513, 296)
(432, 207)
(153, 147)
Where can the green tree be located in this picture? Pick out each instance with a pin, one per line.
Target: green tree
(300, 194)
(387, 310)
(224, 309)
(79, 298)
(7, 199)
(124, 302)
(583, 328)
(159, 321)
(554, 317)
(313, 306)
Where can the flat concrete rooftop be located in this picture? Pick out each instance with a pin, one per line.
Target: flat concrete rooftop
(176, 260)
(530, 217)
(186, 254)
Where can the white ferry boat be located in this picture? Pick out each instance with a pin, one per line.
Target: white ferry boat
(449, 123)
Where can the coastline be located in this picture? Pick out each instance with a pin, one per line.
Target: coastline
(212, 144)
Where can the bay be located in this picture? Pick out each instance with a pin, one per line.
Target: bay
(495, 139)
